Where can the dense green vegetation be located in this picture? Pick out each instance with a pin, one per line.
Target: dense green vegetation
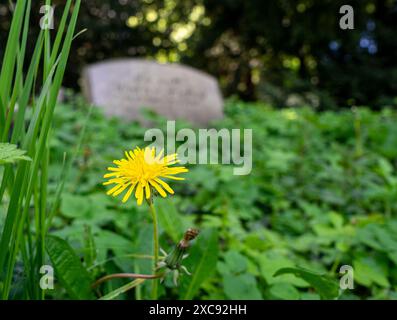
(320, 195)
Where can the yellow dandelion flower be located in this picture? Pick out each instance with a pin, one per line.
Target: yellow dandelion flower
(142, 170)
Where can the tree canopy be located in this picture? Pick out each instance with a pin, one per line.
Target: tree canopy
(288, 52)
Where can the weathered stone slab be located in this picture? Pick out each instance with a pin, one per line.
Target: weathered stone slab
(123, 87)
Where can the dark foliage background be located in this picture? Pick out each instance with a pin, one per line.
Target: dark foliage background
(287, 52)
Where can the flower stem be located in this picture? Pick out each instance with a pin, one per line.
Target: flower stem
(155, 282)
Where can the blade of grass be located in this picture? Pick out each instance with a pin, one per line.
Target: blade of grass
(122, 289)
(19, 72)
(7, 69)
(18, 193)
(36, 142)
(19, 123)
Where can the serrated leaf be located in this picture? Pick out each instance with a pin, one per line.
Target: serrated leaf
(9, 153)
(368, 270)
(325, 286)
(69, 269)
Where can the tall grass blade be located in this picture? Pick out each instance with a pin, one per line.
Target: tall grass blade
(26, 182)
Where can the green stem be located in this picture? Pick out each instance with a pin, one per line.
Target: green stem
(125, 275)
(122, 289)
(155, 282)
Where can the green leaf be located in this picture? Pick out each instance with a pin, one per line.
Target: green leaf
(325, 286)
(367, 236)
(68, 269)
(235, 262)
(90, 250)
(368, 270)
(393, 256)
(9, 153)
(123, 289)
(270, 262)
(241, 287)
(75, 206)
(144, 243)
(91, 209)
(284, 291)
(170, 219)
(202, 261)
(107, 240)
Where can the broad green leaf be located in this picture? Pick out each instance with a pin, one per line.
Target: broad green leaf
(107, 240)
(201, 261)
(9, 153)
(270, 262)
(367, 236)
(143, 244)
(69, 269)
(387, 239)
(309, 296)
(393, 256)
(368, 270)
(90, 209)
(284, 291)
(241, 287)
(234, 263)
(237, 283)
(336, 219)
(75, 206)
(325, 286)
(169, 219)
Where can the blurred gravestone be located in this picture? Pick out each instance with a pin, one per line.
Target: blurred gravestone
(174, 91)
